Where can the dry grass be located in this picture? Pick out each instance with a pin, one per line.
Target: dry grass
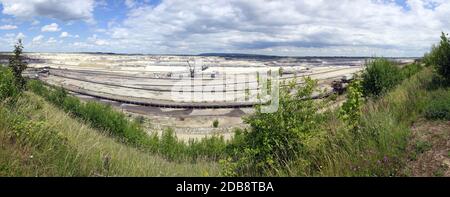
(90, 152)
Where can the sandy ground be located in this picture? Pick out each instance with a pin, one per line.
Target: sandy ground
(429, 149)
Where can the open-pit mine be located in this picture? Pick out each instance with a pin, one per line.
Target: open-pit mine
(186, 93)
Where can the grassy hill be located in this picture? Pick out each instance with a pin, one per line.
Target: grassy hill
(38, 139)
(403, 132)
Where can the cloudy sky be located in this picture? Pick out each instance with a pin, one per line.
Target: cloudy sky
(276, 27)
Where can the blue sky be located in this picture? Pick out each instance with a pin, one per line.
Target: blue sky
(284, 27)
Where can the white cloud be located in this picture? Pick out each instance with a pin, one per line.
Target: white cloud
(66, 10)
(8, 27)
(37, 39)
(64, 35)
(285, 27)
(290, 26)
(51, 28)
(101, 42)
(130, 3)
(97, 41)
(20, 36)
(51, 40)
(68, 35)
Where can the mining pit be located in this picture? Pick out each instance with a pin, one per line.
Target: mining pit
(187, 93)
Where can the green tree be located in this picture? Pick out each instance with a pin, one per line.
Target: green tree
(17, 64)
(442, 57)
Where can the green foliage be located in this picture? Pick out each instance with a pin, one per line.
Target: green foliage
(8, 87)
(379, 77)
(422, 146)
(440, 57)
(350, 111)
(38, 140)
(215, 123)
(211, 147)
(333, 96)
(429, 58)
(58, 96)
(106, 118)
(169, 145)
(369, 138)
(278, 138)
(438, 108)
(37, 87)
(72, 105)
(17, 64)
(40, 144)
(410, 70)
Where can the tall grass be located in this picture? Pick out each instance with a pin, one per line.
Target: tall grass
(8, 87)
(378, 148)
(327, 145)
(37, 139)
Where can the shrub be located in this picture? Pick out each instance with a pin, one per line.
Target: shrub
(215, 123)
(278, 138)
(438, 107)
(8, 86)
(17, 64)
(442, 57)
(58, 96)
(72, 105)
(429, 57)
(350, 111)
(169, 145)
(210, 147)
(37, 87)
(379, 76)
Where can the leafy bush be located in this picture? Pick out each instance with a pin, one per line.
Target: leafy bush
(72, 105)
(350, 111)
(17, 64)
(439, 106)
(37, 87)
(215, 123)
(211, 147)
(379, 76)
(169, 145)
(8, 86)
(441, 57)
(267, 147)
(58, 96)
